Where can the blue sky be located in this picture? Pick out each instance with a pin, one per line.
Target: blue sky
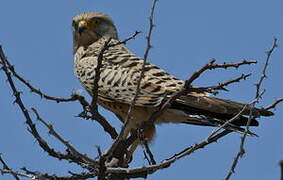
(36, 37)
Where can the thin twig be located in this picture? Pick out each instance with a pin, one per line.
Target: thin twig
(258, 95)
(71, 149)
(126, 40)
(272, 106)
(145, 170)
(220, 86)
(148, 47)
(38, 175)
(128, 117)
(263, 75)
(229, 121)
(194, 76)
(32, 128)
(93, 107)
(6, 167)
(36, 90)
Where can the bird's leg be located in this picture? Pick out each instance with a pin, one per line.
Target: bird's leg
(146, 133)
(130, 152)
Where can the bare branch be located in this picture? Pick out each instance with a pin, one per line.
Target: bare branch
(71, 149)
(32, 88)
(187, 88)
(258, 95)
(272, 106)
(128, 117)
(126, 40)
(6, 167)
(263, 75)
(5, 171)
(220, 86)
(32, 128)
(93, 108)
(145, 170)
(39, 175)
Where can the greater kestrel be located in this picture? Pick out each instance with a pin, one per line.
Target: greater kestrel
(119, 75)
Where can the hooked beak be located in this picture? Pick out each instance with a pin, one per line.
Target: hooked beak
(82, 26)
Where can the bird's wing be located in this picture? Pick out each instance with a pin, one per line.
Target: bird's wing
(119, 78)
(120, 74)
(219, 106)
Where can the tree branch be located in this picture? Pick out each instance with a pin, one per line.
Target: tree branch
(258, 95)
(6, 167)
(146, 170)
(128, 117)
(32, 128)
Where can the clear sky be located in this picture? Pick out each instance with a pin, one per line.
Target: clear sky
(37, 39)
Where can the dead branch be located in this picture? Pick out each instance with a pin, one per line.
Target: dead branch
(119, 139)
(93, 107)
(273, 105)
(220, 86)
(31, 87)
(32, 127)
(70, 148)
(6, 167)
(146, 170)
(126, 40)
(194, 76)
(37, 175)
(258, 95)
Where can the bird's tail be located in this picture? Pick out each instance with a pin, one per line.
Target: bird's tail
(204, 121)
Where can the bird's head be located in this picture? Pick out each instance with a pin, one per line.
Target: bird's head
(90, 26)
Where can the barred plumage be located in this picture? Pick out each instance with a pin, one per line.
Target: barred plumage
(120, 72)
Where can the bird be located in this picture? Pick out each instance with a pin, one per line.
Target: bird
(119, 75)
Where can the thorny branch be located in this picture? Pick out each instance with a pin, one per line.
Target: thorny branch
(38, 175)
(32, 128)
(128, 118)
(187, 88)
(93, 108)
(126, 40)
(258, 95)
(220, 86)
(273, 105)
(74, 156)
(75, 97)
(146, 170)
(71, 149)
(6, 168)
(35, 90)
